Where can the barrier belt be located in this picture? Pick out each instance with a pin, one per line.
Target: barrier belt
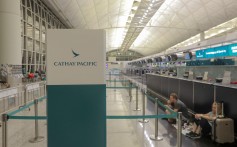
(117, 80)
(120, 87)
(28, 117)
(24, 107)
(174, 115)
(115, 74)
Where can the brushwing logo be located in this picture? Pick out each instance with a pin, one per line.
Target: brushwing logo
(75, 54)
(75, 64)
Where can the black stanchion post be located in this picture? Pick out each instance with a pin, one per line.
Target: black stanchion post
(37, 138)
(156, 137)
(4, 130)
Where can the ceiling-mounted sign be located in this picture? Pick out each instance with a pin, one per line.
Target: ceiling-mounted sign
(233, 49)
(216, 52)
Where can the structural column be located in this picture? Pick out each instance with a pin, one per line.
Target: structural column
(10, 32)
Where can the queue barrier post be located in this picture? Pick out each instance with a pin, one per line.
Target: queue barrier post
(156, 137)
(130, 91)
(4, 130)
(143, 108)
(137, 109)
(179, 130)
(37, 138)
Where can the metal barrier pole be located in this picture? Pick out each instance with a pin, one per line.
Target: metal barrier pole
(130, 91)
(4, 130)
(45, 92)
(143, 108)
(156, 137)
(115, 84)
(179, 130)
(37, 138)
(110, 78)
(137, 109)
(214, 92)
(26, 94)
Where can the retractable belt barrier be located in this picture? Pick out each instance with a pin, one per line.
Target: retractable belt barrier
(37, 138)
(115, 74)
(122, 87)
(11, 114)
(172, 115)
(118, 80)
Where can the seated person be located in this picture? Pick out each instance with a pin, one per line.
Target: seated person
(178, 106)
(203, 122)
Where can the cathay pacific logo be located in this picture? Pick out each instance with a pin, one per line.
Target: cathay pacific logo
(75, 54)
(74, 63)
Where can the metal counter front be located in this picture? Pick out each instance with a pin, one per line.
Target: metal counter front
(197, 95)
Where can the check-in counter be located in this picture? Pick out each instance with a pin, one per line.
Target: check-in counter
(197, 95)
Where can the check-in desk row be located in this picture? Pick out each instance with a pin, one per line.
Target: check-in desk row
(197, 95)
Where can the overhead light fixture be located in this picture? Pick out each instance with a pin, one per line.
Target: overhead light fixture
(140, 19)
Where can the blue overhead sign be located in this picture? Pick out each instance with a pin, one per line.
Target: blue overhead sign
(200, 54)
(221, 51)
(233, 49)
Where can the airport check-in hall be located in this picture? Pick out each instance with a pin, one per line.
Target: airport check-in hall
(118, 73)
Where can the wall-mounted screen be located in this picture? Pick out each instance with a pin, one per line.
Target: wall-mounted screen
(174, 57)
(188, 55)
(167, 58)
(233, 49)
(149, 60)
(158, 59)
(143, 61)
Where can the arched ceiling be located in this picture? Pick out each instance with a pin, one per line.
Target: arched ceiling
(174, 22)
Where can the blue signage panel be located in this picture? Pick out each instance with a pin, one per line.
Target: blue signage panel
(216, 52)
(233, 49)
(200, 54)
(221, 51)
